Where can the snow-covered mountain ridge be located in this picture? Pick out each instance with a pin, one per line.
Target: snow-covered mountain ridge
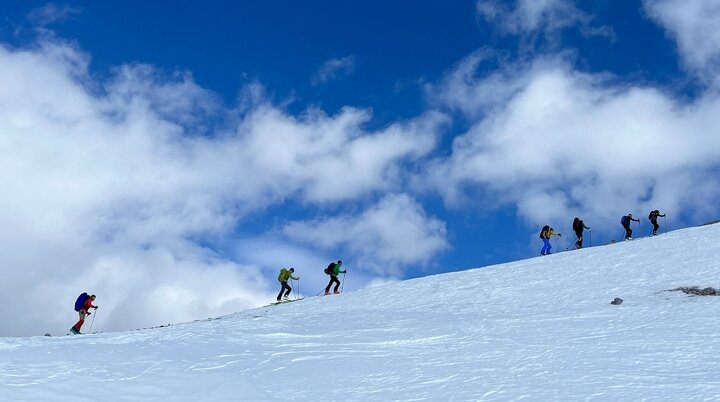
(538, 329)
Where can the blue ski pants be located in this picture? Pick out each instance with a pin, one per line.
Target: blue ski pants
(546, 246)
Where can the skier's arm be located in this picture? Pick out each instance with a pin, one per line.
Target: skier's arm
(292, 277)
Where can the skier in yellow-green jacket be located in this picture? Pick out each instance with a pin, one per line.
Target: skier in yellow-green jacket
(285, 274)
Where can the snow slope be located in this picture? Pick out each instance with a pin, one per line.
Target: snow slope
(539, 329)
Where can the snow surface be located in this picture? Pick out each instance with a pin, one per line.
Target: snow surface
(540, 329)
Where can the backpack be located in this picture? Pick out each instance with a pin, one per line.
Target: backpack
(577, 225)
(81, 301)
(544, 231)
(330, 269)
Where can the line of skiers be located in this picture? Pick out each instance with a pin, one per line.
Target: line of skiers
(84, 302)
(578, 226)
(333, 269)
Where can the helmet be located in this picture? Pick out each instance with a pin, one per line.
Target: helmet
(292, 269)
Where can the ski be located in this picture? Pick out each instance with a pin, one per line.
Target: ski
(284, 301)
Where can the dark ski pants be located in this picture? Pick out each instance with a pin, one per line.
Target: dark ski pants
(655, 226)
(284, 288)
(578, 243)
(333, 279)
(628, 232)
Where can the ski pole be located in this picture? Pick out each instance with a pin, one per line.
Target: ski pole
(92, 322)
(589, 237)
(665, 223)
(342, 285)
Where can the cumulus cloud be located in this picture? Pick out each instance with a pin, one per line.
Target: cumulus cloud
(117, 186)
(559, 142)
(695, 26)
(394, 232)
(334, 69)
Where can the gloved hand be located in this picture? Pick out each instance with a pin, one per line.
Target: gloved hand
(559, 235)
(95, 307)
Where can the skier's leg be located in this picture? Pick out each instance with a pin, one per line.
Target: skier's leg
(327, 288)
(546, 246)
(288, 289)
(337, 284)
(81, 321)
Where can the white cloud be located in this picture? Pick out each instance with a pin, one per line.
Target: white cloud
(462, 90)
(395, 232)
(106, 183)
(546, 16)
(52, 13)
(335, 68)
(563, 143)
(695, 25)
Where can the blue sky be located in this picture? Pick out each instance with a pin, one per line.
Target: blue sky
(176, 150)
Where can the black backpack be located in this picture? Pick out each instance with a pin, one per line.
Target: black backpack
(577, 225)
(544, 231)
(330, 269)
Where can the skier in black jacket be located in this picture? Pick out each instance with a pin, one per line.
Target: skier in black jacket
(653, 219)
(578, 226)
(625, 222)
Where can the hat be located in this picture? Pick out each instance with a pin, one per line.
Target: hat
(339, 262)
(292, 269)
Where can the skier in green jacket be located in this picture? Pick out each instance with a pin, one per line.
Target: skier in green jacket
(333, 270)
(285, 274)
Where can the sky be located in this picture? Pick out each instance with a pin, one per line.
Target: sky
(538, 329)
(171, 158)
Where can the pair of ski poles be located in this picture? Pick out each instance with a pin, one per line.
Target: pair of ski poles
(296, 288)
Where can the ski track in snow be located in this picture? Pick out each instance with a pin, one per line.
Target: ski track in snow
(539, 329)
